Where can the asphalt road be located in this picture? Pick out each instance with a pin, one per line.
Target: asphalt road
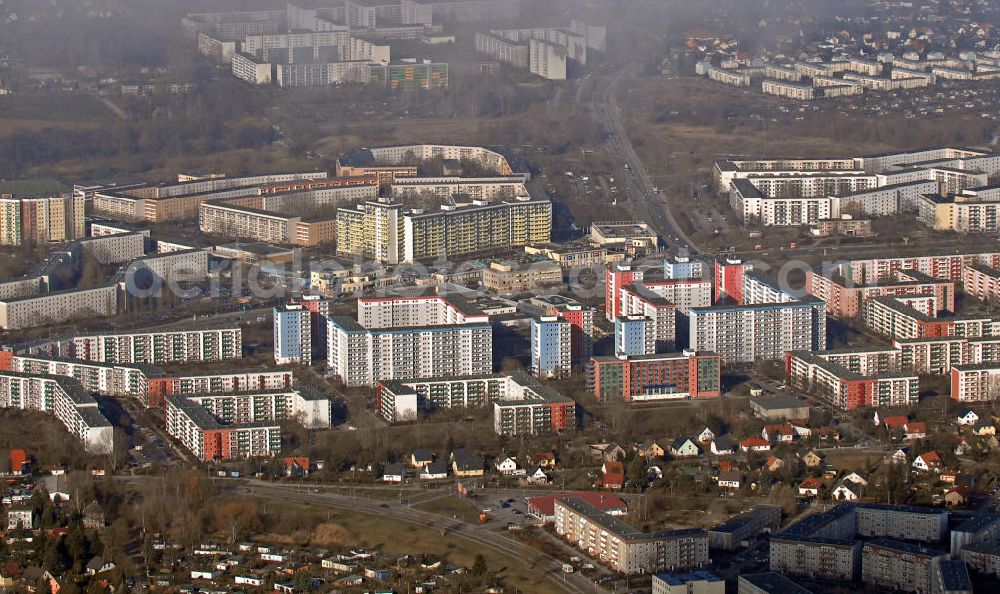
(539, 562)
(646, 203)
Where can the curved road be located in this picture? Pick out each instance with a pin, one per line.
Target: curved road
(480, 535)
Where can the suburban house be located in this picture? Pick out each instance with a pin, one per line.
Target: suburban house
(927, 461)
(99, 565)
(856, 477)
(466, 464)
(421, 457)
(723, 446)
(755, 444)
(982, 428)
(810, 487)
(393, 473)
(732, 479)
(434, 471)
(544, 460)
(614, 475)
(296, 466)
(847, 491)
(900, 456)
(774, 464)
(651, 449)
(508, 466)
(781, 433)
(956, 496)
(812, 459)
(915, 430)
(967, 417)
(539, 477)
(705, 436)
(607, 452)
(684, 447)
(895, 423)
(93, 516)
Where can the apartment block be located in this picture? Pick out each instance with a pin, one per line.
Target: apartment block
(33, 221)
(945, 267)
(209, 439)
(551, 347)
(657, 377)
(844, 299)
(747, 333)
(976, 382)
(759, 519)
(305, 404)
(624, 548)
(634, 336)
(813, 556)
(846, 389)
(617, 276)
(66, 400)
(121, 381)
(521, 405)
(161, 347)
(292, 334)
(580, 317)
(899, 566)
(260, 380)
(361, 355)
(58, 307)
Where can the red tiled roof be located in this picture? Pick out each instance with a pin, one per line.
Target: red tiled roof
(898, 421)
(546, 504)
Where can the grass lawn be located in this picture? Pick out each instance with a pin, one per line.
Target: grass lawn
(55, 108)
(393, 537)
(32, 187)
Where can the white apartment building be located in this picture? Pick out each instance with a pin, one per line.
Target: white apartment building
(66, 400)
(788, 90)
(58, 307)
(360, 356)
(161, 347)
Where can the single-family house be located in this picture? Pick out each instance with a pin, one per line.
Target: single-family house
(895, 423)
(99, 565)
(856, 477)
(651, 449)
(466, 464)
(705, 436)
(983, 427)
(927, 461)
(948, 476)
(434, 471)
(604, 452)
(956, 496)
(967, 417)
(545, 460)
(774, 464)
(755, 444)
(684, 447)
(539, 477)
(847, 491)
(812, 459)
(780, 433)
(914, 430)
(810, 487)
(421, 457)
(296, 466)
(393, 473)
(732, 479)
(613, 475)
(723, 446)
(507, 465)
(93, 516)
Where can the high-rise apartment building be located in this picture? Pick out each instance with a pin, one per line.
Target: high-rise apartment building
(551, 350)
(292, 334)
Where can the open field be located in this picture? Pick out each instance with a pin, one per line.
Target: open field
(393, 537)
(28, 112)
(32, 187)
